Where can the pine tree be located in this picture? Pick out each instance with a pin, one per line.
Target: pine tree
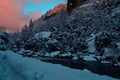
(31, 23)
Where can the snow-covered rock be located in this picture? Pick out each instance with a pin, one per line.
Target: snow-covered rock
(89, 58)
(91, 44)
(118, 44)
(75, 58)
(111, 52)
(47, 55)
(42, 34)
(21, 51)
(118, 64)
(16, 67)
(53, 54)
(105, 61)
(66, 54)
(108, 52)
(26, 52)
(52, 41)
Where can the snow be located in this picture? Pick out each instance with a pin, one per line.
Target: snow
(52, 41)
(118, 44)
(105, 61)
(109, 52)
(43, 34)
(75, 58)
(66, 54)
(118, 64)
(47, 55)
(91, 44)
(16, 67)
(53, 54)
(37, 54)
(25, 52)
(21, 51)
(89, 58)
(86, 5)
(116, 10)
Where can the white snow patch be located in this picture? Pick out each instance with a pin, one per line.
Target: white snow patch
(89, 58)
(110, 52)
(118, 64)
(118, 44)
(42, 34)
(91, 44)
(47, 55)
(75, 58)
(52, 41)
(66, 54)
(86, 5)
(53, 54)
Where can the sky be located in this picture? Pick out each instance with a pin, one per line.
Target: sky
(14, 14)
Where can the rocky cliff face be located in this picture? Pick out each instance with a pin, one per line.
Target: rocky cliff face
(71, 4)
(58, 8)
(54, 11)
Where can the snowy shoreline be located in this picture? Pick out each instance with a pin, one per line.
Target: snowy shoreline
(16, 67)
(103, 68)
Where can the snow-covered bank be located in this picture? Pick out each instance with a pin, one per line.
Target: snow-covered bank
(16, 67)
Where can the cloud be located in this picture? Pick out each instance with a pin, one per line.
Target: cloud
(34, 15)
(12, 17)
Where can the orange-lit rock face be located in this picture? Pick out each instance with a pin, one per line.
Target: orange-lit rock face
(58, 8)
(55, 11)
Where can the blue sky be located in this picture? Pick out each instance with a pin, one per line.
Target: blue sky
(43, 7)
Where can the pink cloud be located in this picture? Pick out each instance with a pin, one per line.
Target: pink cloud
(34, 15)
(11, 16)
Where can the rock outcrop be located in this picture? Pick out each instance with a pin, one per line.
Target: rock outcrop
(71, 4)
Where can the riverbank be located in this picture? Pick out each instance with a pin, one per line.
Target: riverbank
(93, 66)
